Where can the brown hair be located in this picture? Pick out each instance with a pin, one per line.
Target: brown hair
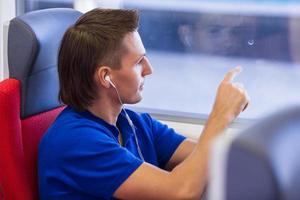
(94, 40)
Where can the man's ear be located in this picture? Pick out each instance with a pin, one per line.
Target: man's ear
(101, 73)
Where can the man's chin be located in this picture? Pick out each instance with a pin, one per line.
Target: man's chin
(136, 100)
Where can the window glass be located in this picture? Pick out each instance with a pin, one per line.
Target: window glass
(192, 44)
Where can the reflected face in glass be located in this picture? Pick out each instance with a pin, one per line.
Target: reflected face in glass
(130, 78)
(218, 34)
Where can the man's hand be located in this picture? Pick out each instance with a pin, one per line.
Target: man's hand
(231, 97)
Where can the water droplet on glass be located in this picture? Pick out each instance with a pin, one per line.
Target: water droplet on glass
(250, 42)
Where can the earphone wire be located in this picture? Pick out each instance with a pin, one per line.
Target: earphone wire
(129, 121)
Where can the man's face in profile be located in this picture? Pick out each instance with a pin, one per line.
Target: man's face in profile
(130, 78)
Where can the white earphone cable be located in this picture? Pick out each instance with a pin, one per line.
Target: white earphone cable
(128, 119)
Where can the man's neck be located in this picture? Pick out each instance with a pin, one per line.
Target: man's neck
(106, 110)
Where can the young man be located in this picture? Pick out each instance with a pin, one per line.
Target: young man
(96, 149)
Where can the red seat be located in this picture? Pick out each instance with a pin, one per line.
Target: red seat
(29, 97)
(19, 140)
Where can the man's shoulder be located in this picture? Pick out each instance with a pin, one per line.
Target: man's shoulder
(72, 124)
(69, 119)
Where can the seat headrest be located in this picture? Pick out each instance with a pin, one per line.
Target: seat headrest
(264, 159)
(33, 42)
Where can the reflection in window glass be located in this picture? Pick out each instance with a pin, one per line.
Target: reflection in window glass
(191, 44)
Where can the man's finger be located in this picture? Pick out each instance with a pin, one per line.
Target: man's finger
(231, 74)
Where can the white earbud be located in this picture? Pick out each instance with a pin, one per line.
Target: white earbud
(107, 78)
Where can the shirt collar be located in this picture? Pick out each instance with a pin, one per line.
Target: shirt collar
(122, 123)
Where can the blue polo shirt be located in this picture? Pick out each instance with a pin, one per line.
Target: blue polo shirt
(80, 156)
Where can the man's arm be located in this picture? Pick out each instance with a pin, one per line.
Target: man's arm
(181, 153)
(188, 179)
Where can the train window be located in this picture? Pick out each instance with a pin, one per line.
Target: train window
(191, 44)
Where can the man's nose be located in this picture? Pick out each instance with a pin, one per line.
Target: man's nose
(147, 68)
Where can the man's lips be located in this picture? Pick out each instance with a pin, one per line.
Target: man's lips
(142, 85)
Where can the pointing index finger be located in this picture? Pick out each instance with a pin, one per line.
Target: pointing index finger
(232, 74)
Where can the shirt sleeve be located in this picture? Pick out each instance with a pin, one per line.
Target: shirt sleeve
(166, 140)
(95, 163)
